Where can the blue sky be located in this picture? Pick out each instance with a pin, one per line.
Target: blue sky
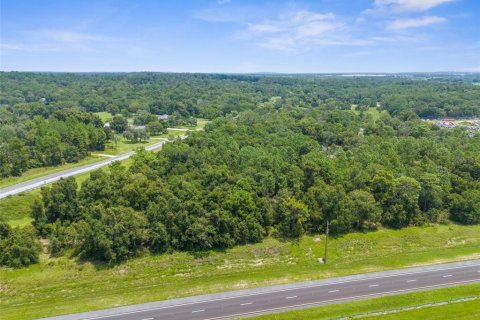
(240, 36)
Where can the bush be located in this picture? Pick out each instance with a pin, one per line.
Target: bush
(18, 247)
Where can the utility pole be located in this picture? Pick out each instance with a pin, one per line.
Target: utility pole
(326, 243)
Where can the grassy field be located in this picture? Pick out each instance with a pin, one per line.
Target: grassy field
(463, 302)
(372, 111)
(16, 209)
(200, 125)
(104, 116)
(62, 285)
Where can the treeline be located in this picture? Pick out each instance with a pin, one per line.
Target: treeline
(210, 96)
(267, 173)
(46, 119)
(65, 136)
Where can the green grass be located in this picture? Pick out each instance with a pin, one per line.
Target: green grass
(372, 111)
(200, 125)
(104, 116)
(62, 285)
(40, 172)
(418, 305)
(16, 209)
(124, 146)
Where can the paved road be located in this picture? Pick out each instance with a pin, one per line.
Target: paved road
(279, 298)
(38, 182)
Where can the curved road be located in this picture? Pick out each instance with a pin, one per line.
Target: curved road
(294, 296)
(38, 182)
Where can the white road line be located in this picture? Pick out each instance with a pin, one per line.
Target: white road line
(332, 291)
(340, 299)
(148, 319)
(291, 297)
(447, 275)
(373, 285)
(412, 280)
(275, 291)
(245, 304)
(195, 311)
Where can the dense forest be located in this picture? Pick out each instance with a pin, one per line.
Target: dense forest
(210, 95)
(46, 119)
(264, 172)
(282, 156)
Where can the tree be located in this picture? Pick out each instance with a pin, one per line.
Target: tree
(15, 155)
(156, 127)
(143, 117)
(292, 216)
(465, 208)
(18, 246)
(40, 219)
(60, 201)
(431, 195)
(135, 135)
(366, 211)
(401, 203)
(119, 123)
(112, 235)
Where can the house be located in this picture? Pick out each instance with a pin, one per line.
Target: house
(163, 116)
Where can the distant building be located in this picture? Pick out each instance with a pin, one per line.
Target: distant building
(163, 116)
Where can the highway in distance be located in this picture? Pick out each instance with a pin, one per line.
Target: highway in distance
(272, 299)
(41, 181)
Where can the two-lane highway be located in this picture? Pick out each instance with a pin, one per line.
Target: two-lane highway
(39, 182)
(279, 298)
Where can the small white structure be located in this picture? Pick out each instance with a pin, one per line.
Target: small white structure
(163, 116)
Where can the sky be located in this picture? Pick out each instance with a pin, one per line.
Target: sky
(234, 36)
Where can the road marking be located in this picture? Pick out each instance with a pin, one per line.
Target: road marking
(373, 285)
(245, 304)
(195, 311)
(291, 297)
(332, 291)
(282, 290)
(447, 275)
(148, 319)
(412, 280)
(339, 299)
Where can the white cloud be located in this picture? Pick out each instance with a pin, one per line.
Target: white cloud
(400, 24)
(57, 40)
(294, 30)
(405, 5)
(70, 36)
